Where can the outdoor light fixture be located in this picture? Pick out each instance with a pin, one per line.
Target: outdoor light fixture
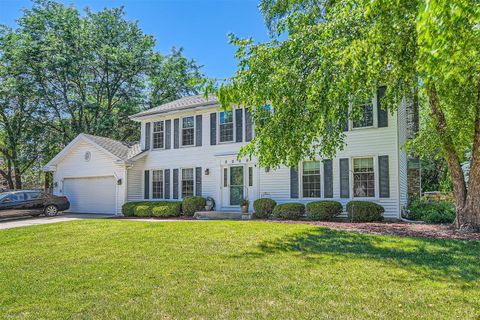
(207, 172)
(55, 184)
(119, 182)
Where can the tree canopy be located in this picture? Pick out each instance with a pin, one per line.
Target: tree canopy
(64, 72)
(325, 56)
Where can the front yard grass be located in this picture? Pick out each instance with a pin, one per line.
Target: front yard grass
(137, 270)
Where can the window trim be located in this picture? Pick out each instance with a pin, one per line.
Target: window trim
(374, 115)
(300, 182)
(181, 180)
(153, 134)
(181, 132)
(233, 127)
(375, 177)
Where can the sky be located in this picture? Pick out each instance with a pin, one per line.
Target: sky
(201, 27)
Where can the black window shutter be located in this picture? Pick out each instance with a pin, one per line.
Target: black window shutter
(148, 134)
(168, 134)
(176, 134)
(238, 125)
(248, 126)
(384, 176)
(198, 181)
(166, 179)
(293, 182)
(146, 185)
(382, 114)
(175, 183)
(198, 130)
(344, 179)
(213, 128)
(328, 178)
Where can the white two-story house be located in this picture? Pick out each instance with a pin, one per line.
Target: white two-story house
(190, 146)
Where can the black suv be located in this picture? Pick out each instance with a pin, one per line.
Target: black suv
(31, 203)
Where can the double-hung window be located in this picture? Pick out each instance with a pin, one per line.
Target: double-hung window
(226, 126)
(363, 177)
(157, 184)
(188, 131)
(366, 119)
(158, 135)
(187, 182)
(311, 179)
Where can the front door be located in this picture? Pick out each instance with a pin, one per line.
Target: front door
(233, 179)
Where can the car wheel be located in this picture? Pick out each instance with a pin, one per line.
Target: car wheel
(51, 210)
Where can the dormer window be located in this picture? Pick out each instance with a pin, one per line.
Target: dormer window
(158, 135)
(188, 131)
(226, 126)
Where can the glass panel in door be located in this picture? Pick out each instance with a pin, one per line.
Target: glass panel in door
(236, 185)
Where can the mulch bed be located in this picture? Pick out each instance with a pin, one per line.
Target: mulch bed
(404, 229)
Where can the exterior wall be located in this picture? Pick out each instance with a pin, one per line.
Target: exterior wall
(275, 183)
(403, 158)
(359, 142)
(73, 165)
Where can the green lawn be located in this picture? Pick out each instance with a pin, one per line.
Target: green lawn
(135, 270)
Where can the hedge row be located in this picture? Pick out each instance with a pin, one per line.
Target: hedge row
(358, 211)
(163, 208)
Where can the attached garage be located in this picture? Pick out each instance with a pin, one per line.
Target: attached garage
(92, 172)
(91, 195)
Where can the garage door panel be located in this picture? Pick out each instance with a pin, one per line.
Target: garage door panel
(91, 195)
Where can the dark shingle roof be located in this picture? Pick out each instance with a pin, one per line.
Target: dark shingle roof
(180, 104)
(120, 149)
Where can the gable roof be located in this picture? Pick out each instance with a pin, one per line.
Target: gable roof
(121, 151)
(198, 100)
(117, 148)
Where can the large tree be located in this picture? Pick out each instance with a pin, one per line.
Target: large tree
(327, 54)
(86, 72)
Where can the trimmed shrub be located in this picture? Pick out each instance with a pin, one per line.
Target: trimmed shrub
(364, 211)
(128, 209)
(192, 204)
(323, 210)
(432, 211)
(143, 210)
(289, 211)
(166, 209)
(264, 207)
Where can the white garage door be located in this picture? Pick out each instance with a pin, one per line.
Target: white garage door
(91, 195)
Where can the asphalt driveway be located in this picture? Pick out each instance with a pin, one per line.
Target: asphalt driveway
(8, 223)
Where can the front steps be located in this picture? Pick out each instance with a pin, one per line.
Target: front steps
(222, 215)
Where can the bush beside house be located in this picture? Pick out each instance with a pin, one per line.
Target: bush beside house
(289, 211)
(323, 210)
(364, 211)
(264, 207)
(192, 204)
(432, 211)
(152, 209)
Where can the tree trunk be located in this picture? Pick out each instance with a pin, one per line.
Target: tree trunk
(8, 177)
(467, 204)
(18, 179)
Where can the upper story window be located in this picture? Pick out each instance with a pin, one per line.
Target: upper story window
(311, 179)
(188, 131)
(157, 184)
(366, 119)
(158, 135)
(187, 182)
(226, 126)
(363, 177)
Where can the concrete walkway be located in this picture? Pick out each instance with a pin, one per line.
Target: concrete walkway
(8, 223)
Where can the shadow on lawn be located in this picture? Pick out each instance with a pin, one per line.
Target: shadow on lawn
(433, 258)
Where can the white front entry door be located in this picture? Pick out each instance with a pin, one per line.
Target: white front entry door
(233, 185)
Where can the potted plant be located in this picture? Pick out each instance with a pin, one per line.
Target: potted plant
(244, 203)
